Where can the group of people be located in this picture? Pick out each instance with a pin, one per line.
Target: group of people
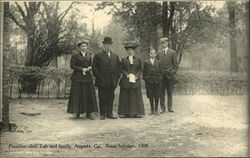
(158, 72)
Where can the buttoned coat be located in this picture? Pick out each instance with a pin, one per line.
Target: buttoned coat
(77, 63)
(106, 69)
(168, 63)
(151, 72)
(127, 68)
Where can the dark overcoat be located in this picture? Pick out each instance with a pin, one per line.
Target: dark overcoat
(151, 72)
(126, 69)
(168, 63)
(77, 63)
(82, 97)
(106, 69)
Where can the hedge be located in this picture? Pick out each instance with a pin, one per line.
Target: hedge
(55, 83)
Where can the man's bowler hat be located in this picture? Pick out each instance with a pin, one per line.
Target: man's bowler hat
(107, 40)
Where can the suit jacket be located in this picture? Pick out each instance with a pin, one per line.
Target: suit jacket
(77, 63)
(151, 73)
(168, 63)
(106, 69)
(127, 68)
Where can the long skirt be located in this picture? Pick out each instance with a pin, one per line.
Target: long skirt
(130, 102)
(82, 98)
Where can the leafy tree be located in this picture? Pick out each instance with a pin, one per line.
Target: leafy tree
(46, 37)
(119, 34)
(185, 23)
(141, 20)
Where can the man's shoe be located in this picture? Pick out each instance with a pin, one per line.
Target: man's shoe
(102, 117)
(151, 113)
(171, 110)
(111, 117)
(89, 116)
(162, 111)
(156, 113)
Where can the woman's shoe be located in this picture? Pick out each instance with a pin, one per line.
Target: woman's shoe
(89, 116)
(77, 116)
(136, 116)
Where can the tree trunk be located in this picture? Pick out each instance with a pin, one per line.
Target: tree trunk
(167, 20)
(6, 46)
(165, 29)
(233, 44)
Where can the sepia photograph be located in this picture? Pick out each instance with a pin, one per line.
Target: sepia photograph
(124, 78)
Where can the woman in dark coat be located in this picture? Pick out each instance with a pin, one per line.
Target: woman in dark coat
(82, 98)
(130, 99)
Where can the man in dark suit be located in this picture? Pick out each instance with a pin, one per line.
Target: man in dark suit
(106, 69)
(168, 69)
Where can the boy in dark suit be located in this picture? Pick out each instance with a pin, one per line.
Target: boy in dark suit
(153, 79)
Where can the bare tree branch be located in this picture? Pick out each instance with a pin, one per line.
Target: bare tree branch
(63, 14)
(46, 8)
(17, 23)
(38, 6)
(26, 6)
(21, 11)
(42, 15)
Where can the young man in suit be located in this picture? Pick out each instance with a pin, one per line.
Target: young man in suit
(168, 68)
(153, 79)
(106, 69)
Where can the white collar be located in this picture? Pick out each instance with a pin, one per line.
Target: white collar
(83, 53)
(131, 59)
(166, 49)
(152, 60)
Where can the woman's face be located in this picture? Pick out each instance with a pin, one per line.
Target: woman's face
(83, 47)
(130, 51)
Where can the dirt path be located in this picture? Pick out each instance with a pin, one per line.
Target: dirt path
(200, 126)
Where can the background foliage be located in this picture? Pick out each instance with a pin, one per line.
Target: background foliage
(55, 83)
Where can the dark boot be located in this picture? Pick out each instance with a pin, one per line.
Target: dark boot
(151, 100)
(156, 106)
(102, 117)
(77, 115)
(89, 116)
(110, 116)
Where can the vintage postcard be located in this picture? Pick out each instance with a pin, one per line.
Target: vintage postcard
(124, 78)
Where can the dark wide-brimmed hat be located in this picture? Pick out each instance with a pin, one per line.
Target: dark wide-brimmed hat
(164, 39)
(107, 40)
(130, 44)
(82, 42)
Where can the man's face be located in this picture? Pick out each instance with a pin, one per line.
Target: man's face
(164, 44)
(152, 54)
(107, 46)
